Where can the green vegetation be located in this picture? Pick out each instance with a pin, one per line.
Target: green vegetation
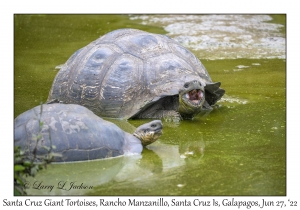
(26, 164)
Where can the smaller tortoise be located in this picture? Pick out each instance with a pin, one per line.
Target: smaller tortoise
(78, 134)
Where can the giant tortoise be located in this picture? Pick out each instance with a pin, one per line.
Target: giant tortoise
(77, 134)
(130, 73)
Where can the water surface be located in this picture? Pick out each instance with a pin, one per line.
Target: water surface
(238, 149)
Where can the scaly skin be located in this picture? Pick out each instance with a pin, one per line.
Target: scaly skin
(149, 132)
(191, 99)
(178, 107)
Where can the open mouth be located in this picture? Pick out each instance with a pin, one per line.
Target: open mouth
(194, 96)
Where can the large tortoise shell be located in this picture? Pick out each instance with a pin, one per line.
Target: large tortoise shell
(124, 70)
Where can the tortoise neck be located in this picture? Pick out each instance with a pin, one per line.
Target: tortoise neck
(132, 144)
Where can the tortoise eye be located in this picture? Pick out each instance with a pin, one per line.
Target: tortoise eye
(186, 85)
(153, 125)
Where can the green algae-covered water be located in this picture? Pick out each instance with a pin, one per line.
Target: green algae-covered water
(238, 149)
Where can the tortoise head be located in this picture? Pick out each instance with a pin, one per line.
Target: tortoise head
(149, 132)
(191, 98)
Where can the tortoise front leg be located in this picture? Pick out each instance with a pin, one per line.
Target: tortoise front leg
(169, 115)
(165, 115)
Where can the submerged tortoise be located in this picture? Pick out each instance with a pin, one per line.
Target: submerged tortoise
(78, 134)
(129, 73)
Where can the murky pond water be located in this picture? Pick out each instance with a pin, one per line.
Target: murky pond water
(238, 149)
